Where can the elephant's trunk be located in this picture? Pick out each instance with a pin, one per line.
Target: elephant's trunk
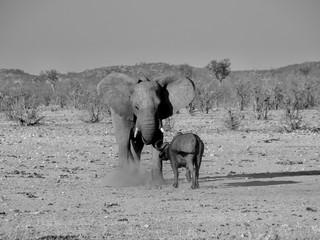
(148, 131)
(149, 128)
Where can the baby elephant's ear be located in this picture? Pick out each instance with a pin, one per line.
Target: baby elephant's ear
(116, 89)
(178, 92)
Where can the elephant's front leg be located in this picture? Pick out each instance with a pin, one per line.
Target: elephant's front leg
(156, 169)
(126, 158)
(136, 149)
(122, 130)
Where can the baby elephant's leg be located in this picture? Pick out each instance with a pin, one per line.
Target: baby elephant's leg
(175, 173)
(188, 176)
(190, 165)
(197, 176)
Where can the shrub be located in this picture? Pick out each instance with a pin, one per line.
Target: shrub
(294, 103)
(186, 70)
(75, 93)
(94, 105)
(232, 120)
(242, 91)
(261, 99)
(21, 105)
(205, 97)
(292, 120)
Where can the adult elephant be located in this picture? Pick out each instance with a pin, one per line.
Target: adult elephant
(138, 105)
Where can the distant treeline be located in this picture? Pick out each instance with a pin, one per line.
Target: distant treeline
(296, 85)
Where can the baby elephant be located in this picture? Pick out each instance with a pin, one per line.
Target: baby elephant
(185, 150)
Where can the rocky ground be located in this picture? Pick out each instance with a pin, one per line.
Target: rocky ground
(59, 180)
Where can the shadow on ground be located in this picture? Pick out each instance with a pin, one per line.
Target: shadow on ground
(259, 176)
(258, 183)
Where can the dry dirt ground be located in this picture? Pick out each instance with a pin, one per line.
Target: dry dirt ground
(58, 181)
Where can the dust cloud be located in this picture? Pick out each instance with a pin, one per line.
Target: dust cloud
(127, 177)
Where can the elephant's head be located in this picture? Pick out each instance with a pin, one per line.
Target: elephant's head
(146, 102)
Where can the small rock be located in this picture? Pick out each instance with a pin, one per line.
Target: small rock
(311, 209)
(111, 205)
(123, 220)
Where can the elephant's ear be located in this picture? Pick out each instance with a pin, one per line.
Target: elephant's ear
(116, 89)
(177, 93)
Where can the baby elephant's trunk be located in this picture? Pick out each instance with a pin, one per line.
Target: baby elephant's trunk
(159, 145)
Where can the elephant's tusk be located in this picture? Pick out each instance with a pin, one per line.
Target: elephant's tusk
(135, 132)
(161, 128)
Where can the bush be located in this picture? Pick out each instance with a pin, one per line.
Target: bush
(75, 92)
(232, 120)
(94, 105)
(294, 103)
(205, 97)
(262, 95)
(242, 91)
(21, 105)
(292, 120)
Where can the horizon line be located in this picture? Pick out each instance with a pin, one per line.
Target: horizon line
(140, 63)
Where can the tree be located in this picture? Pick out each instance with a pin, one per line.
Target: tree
(220, 69)
(242, 90)
(205, 96)
(305, 71)
(75, 93)
(278, 95)
(186, 70)
(262, 96)
(309, 87)
(52, 77)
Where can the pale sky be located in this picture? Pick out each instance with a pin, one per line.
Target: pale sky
(75, 35)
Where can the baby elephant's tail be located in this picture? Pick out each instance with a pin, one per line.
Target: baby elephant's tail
(200, 150)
